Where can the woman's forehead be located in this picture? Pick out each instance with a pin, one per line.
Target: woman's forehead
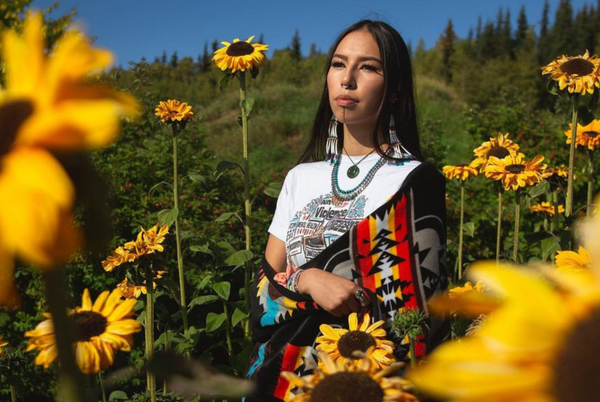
(359, 43)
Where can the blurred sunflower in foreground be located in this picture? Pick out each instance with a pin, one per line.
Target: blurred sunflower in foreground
(539, 344)
(47, 107)
(336, 382)
(240, 55)
(579, 74)
(101, 329)
(340, 344)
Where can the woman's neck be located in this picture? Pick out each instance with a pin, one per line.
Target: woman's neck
(357, 140)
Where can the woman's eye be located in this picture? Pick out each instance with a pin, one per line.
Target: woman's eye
(337, 64)
(369, 67)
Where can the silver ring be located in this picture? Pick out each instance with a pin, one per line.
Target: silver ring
(361, 297)
(345, 86)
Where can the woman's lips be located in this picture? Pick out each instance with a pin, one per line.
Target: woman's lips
(345, 101)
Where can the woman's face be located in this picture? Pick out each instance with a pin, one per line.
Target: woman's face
(355, 79)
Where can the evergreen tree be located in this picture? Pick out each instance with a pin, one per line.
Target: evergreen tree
(544, 52)
(174, 59)
(163, 59)
(522, 28)
(261, 39)
(562, 34)
(215, 45)
(206, 58)
(479, 27)
(313, 50)
(295, 46)
(446, 44)
(506, 44)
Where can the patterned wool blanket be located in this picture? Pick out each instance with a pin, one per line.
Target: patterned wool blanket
(397, 254)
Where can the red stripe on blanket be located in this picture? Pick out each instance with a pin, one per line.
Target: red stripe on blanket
(363, 245)
(403, 251)
(290, 356)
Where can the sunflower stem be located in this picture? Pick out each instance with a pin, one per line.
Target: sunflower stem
(149, 327)
(72, 381)
(499, 231)
(413, 352)
(460, 233)
(228, 329)
(556, 217)
(569, 203)
(13, 393)
(247, 205)
(517, 218)
(590, 192)
(182, 302)
(101, 382)
(166, 348)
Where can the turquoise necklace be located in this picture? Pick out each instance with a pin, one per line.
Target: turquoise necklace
(347, 195)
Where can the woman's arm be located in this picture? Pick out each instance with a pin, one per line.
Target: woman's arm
(333, 293)
(275, 254)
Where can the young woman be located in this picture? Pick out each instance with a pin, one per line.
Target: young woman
(359, 223)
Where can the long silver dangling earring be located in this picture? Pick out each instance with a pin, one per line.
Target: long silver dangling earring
(400, 153)
(331, 147)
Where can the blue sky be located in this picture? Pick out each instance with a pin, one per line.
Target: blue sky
(136, 28)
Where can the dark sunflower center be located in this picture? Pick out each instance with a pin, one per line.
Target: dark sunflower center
(347, 387)
(591, 134)
(12, 115)
(516, 168)
(498, 152)
(240, 49)
(577, 365)
(354, 340)
(88, 324)
(578, 67)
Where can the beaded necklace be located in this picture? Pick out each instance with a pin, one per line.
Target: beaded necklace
(347, 195)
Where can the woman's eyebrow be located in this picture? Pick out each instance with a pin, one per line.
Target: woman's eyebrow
(363, 58)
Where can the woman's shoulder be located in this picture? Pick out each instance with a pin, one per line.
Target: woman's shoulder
(308, 168)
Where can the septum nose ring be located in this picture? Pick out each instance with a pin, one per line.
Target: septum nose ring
(345, 86)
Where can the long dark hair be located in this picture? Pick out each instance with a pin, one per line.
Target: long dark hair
(397, 73)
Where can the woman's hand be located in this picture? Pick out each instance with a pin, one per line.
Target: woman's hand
(335, 294)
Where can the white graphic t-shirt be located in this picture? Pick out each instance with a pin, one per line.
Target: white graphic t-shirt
(308, 221)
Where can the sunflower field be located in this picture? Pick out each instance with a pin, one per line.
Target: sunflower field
(136, 203)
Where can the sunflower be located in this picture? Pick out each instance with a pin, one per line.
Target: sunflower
(468, 287)
(461, 171)
(340, 344)
(47, 105)
(499, 147)
(2, 345)
(173, 111)
(572, 261)
(587, 136)
(539, 344)
(333, 381)
(130, 289)
(579, 74)
(514, 172)
(147, 242)
(547, 208)
(559, 172)
(101, 329)
(240, 55)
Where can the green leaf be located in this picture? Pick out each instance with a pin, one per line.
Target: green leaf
(197, 178)
(205, 281)
(224, 216)
(117, 396)
(168, 216)
(239, 258)
(196, 248)
(222, 289)
(238, 315)
(200, 300)
(224, 166)
(247, 104)
(224, 82)
(542, 188)
(226, 247)
(549, 247)
(273, 190)
(469, 229)
(214, 321)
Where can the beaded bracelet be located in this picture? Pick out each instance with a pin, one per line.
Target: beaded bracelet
(292, 282)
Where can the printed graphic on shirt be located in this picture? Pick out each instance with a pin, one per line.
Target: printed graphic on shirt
(319, 224)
